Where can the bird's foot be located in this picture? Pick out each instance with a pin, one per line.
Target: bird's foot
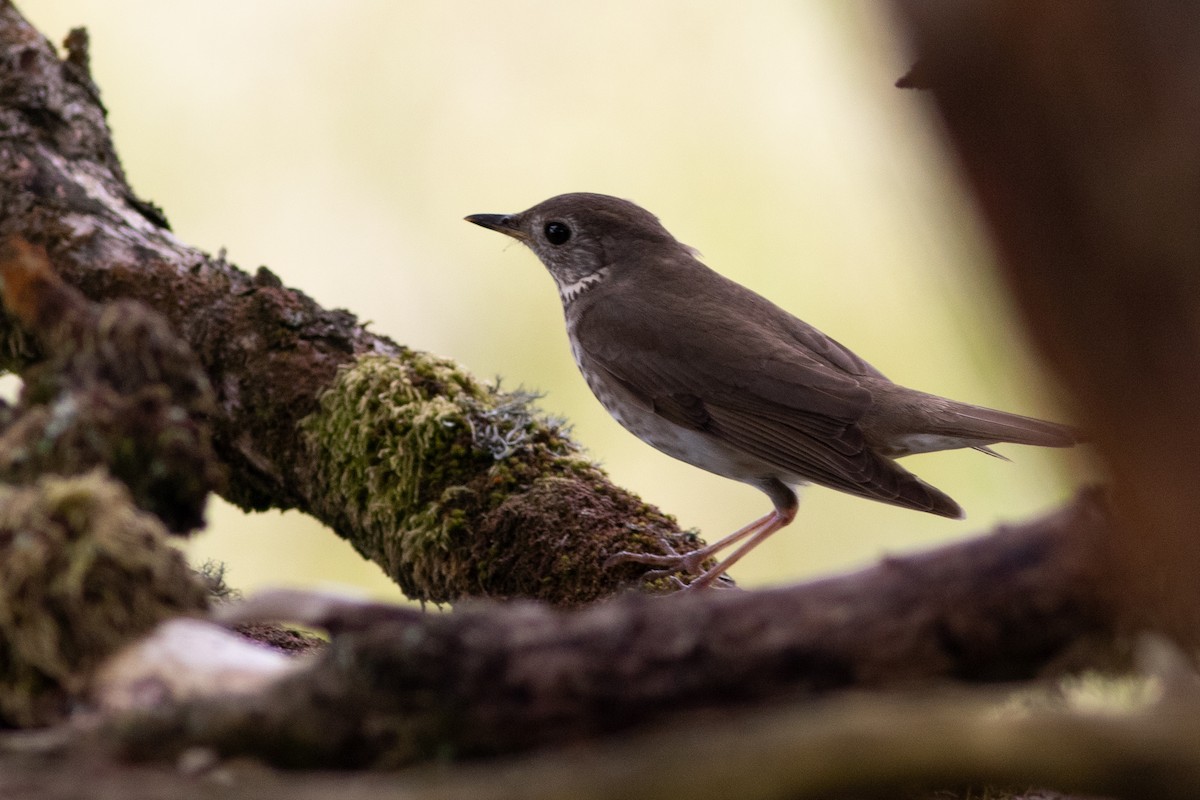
(672, 566)
(671, 562)
(712, 579)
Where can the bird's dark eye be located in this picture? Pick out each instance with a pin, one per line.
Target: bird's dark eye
(557, 232)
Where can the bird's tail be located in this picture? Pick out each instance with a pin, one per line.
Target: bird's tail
(978, 427)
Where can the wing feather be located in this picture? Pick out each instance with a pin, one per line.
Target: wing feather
(758, 387)
(696, 347)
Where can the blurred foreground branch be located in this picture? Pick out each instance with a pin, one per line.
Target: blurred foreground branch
(854, 745)
(491, 679)
(1076, 124)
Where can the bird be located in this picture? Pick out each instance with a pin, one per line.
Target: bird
(715, 375)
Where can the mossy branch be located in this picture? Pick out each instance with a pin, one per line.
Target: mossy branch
(82, 573)
(453, 488)
(107, 448)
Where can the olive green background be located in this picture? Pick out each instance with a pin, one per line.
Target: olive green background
(340, 143)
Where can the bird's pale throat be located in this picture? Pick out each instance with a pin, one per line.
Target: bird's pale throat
(569, 291)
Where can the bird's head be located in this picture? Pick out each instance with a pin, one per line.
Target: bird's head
(583, 238)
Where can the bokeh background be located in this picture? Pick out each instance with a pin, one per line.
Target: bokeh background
(340, 143)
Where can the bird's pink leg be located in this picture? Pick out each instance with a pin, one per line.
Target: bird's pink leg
(691, 562)
(770, 523)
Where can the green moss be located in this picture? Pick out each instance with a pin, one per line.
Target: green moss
(82, 572)
(409, 451)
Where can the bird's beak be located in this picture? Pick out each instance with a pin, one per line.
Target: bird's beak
(505, 223)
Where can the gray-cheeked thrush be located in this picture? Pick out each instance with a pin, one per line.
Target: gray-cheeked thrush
(715, 375)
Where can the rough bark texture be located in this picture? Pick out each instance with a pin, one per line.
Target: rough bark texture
(454, 488)
(115, 388)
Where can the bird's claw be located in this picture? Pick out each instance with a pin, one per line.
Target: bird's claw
(671, 566)
(672, 562)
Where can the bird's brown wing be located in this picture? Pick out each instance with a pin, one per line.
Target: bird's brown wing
(753, 386)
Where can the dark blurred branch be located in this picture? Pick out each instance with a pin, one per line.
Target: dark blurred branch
(494, 679)
(1076, 126)
(860, 745)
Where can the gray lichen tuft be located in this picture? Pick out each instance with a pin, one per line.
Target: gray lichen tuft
(82, 572)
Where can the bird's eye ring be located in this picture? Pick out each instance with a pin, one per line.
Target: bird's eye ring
(557, 232)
